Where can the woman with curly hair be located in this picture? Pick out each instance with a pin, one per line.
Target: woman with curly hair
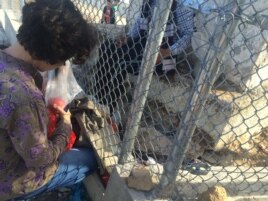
(52, 32)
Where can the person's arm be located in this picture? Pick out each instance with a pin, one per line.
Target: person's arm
(185, 24)
(135, 29)
(28, 132)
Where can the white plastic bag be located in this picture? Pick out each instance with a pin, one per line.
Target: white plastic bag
(61, 85)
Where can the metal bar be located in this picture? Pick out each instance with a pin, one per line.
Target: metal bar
(205, 80)
(156, 33)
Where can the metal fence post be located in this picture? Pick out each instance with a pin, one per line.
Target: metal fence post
(156, 33)
(198, 98)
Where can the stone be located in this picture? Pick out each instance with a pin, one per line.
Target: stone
(142, 179)
(154, 167)
(227, 116)
(149, 140)
(216, 193)
(217, 159)
(195, 150)
(233, 116)
(245, 62)
(211, 158)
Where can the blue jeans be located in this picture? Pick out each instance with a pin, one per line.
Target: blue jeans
(74, 166)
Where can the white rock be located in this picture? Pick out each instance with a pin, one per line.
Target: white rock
(152, 141)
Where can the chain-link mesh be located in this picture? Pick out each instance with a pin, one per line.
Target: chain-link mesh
(181, 129)
(195, 117)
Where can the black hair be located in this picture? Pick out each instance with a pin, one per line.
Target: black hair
(55, 31)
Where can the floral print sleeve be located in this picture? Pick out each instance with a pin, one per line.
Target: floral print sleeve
(28, 160)
(29, 136)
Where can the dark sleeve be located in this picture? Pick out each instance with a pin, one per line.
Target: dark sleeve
(185, 25)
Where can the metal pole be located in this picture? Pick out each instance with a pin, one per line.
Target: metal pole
(156, 33)
(205, 80)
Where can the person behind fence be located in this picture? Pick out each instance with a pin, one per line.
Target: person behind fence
(52, 31)
(177, 36)
(125, 55)
(108, 13)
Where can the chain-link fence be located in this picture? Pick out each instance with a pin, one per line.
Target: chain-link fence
(185, 85)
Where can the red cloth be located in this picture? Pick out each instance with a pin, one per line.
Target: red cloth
(105, 178)
(53, 119)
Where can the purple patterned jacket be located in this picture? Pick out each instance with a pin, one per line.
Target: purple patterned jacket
(28, 160)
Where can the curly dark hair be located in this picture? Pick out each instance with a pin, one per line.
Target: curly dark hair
(55, 31)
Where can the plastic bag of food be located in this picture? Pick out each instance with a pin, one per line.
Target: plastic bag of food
(61, 89)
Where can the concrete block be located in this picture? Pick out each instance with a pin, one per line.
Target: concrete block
(94, 187)
(119, 191)
(116, 189)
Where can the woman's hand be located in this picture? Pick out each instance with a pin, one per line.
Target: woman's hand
(62, 114)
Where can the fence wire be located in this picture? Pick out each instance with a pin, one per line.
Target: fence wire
(191, 119)
(198, 125)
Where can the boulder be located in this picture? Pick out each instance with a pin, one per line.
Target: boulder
(227, 116)
(142, 179)
(216, 193)
(149, 140)
(245, 62)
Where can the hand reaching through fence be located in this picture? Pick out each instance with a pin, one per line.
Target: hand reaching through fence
(117, 58)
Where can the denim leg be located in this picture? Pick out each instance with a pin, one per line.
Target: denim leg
(74, 166)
